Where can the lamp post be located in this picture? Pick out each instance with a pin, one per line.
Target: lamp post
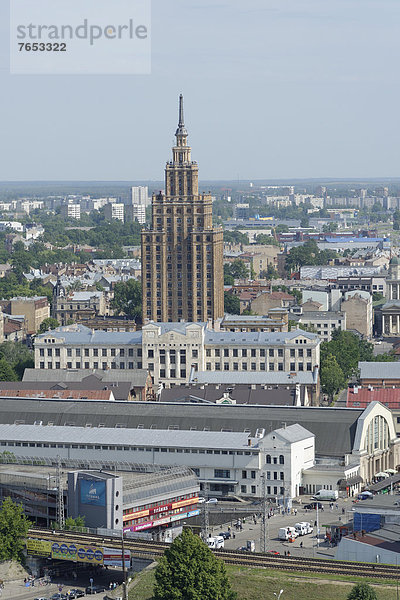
(124, 596)
(278, 595)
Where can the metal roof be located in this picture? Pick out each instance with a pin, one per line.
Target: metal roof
(334, 428)
(379, 370)
(79, 334)
(294, 433)
(254, 377)
(264, 338)
(124, 437)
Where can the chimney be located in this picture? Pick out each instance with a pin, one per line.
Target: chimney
(249, 441)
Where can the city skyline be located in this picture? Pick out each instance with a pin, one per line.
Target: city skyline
(295, 91)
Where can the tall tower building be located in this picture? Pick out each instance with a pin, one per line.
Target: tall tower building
(182, 253)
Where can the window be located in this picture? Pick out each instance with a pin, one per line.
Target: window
(253, 474)
(268, 459)
(244, 473)
(244, 352)
(280, 352)
(253, 489)
(150, 354)
(222, 474)
(270, 352)
(282, 477)
(281, 459)
(243, 489)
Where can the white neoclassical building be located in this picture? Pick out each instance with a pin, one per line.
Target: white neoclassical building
(170, 350)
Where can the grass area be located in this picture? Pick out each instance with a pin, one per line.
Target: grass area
(257, 584)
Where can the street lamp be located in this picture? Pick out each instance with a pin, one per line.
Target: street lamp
(278, 595)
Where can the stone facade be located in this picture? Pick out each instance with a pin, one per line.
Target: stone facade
(182, 253)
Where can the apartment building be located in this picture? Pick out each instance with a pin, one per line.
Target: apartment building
(34, 309)
(114, 211)
(71, 211)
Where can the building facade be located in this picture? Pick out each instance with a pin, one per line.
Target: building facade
(182, 253)
(171, 350)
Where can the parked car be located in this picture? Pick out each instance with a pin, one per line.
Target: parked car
(274, 552)
(313, 506)
(41, 598)
(212, 501)
(59, 596)
(225, 534)
(95, 589)
(75, 593)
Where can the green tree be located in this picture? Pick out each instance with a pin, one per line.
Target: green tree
(48, 324)
(305, 222)
(332, 378)
(266, 240)
(128, 299)
(190, 571)
(231, 304)
(14, 527)
(73, 524)
(17, 357)
(236, 237)
(362, 591)
(237, 269)
(7, 373)
(348, 349)
(269, 273)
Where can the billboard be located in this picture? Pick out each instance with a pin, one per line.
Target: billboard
(93, 492)
(113, 557)
(38, 547)
(78, 553)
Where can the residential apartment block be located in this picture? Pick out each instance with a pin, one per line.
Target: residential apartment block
(171, 350)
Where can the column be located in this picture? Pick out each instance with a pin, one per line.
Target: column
(398, 324)
(383, 324)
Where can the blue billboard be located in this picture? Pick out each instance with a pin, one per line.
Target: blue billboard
(93, 492)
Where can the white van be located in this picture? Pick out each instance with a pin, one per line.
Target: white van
(287, 533)
(304, 528)
(331, 495)
(216, 542)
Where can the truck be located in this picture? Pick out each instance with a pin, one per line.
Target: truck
(303, 528)
(287, 533)
(216, 542)
(331, 495)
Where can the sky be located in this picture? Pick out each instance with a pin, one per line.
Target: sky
(272, 88)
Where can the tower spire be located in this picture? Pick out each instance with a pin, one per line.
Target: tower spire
(181, 133)
(181, 120)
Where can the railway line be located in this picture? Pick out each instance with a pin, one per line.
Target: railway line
(152, 550)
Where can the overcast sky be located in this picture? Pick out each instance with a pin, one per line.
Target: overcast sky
(273, 89)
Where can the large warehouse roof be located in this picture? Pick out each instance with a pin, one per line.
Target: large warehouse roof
(334, 428)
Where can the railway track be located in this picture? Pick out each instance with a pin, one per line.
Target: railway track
(149, 549)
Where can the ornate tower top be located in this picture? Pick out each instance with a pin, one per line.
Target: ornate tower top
(181, 133)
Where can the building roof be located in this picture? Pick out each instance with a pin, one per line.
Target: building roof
(322, 315)
(379, 370)
(135, 377)
(294, 433)
(334, 428)
(363, 396)
(253, 377)
(240, 394)
(61, 394)
(79, 334)
(257, 337)
(127, 437)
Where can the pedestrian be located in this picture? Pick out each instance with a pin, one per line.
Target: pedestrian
(288, 552)
(295, 511)
(285, 552)
(337, 505)
(343, 511)
(301, 544)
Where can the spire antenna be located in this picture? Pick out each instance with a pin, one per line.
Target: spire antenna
(181, 120)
